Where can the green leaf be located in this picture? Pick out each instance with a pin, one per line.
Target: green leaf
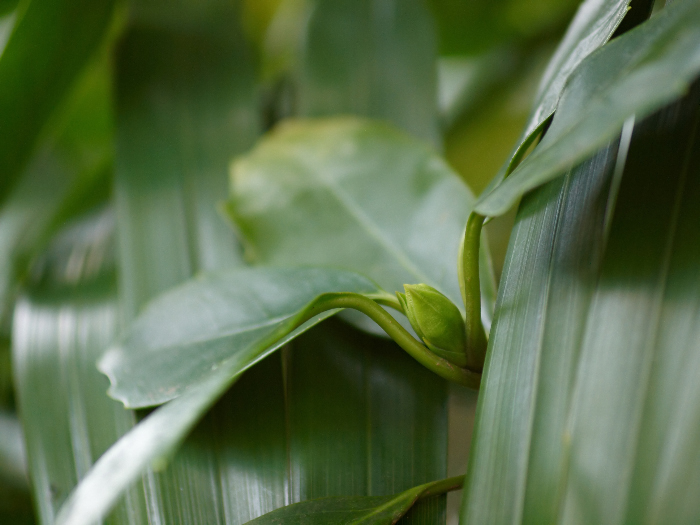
(61, 326)
(364, 419)
(158, 436)
(174, 149)
(186, 104)
(632, 75)
(354, 194)
(68, 174)
(239, 317)
(356, 510)
(637, 374)
(375, 60)
(594, 23)
(50, 44)
(151, 441)
(544, 294)
(589, 404)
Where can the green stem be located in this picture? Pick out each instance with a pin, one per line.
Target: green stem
(414, 348)
(470, 286)
(440, 487)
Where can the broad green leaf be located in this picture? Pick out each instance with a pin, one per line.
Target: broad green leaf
(632, 75)
(594, 23)
(371, 58)
(50, 44)
(543, 298)
(357, 510)
(237, 316)
(61, 325)
(358, 195)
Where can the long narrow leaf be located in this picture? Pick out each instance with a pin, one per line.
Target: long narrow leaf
(60, 328)
(363, 419)
(633, 418)
(545, 290)
(186, 104)
(373, 59)
(632, 75)
(594, 23)
(51, 42)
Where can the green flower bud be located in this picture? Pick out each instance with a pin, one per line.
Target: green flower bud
(437, 321)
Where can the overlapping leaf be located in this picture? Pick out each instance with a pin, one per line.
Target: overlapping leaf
(354, 194)
(594, 23)
(589, 402)
(632, 75)
(545, 290)
(637, 376)
(237, 318)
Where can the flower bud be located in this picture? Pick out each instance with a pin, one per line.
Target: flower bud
(436, 320)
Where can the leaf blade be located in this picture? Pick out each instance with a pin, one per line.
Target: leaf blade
(634, 74)
(369, 510)
(592, 26)
(400, 210)
(188, 332)
(50, 44)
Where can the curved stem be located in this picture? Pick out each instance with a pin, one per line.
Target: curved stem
(470, 285)
(440, 487)
(386, 299)
(414, 348)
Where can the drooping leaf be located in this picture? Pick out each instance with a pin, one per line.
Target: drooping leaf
(50, 44)
(230, 316)
(373, 59)
(366, 510)
(544, 294)
(632, 75)
(358, 195)
(594, 23)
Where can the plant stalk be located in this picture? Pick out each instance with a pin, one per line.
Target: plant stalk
(398, 333)
(470, 285)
